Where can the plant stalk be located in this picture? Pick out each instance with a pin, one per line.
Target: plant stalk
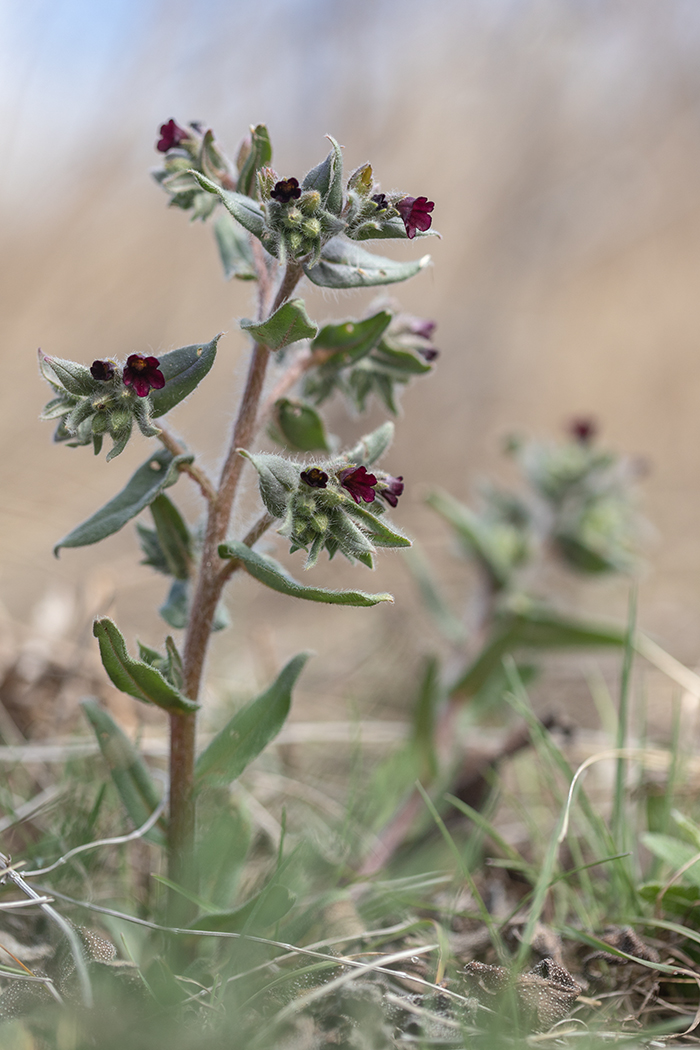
(210, 582)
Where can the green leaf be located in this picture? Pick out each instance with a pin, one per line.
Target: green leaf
(159, 472)
(583, 557)
(352, 339)
(234, 249)
(250, 730)
(372, 446)
(377, 529)
(287, 325)
(135, 677)
(386, 229)
(278, 479)
(183, 369)
(532, 627)
(173, 537)
(130, 774)
(175, 608)
(244, 209)
(399, 362)
(272, 574)
(73, 377)
(261, 912)
(327, 178)
(474, 536)
(259, 155)
(345, 265)
(301, 426)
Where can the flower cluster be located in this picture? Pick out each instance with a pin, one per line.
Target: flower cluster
(404, 350)
(294, 219)
(334, 506)
(102, 399)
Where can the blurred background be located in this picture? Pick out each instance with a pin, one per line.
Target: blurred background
(560, 140)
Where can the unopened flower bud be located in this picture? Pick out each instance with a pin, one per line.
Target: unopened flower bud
(102, 370)
(311, 228)
(310, 202)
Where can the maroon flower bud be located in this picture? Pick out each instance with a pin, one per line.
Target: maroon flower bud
(358, 482)
(583, 430)
(430, 353)
(390, 489)
(316, 478)
(171, 135)
(381, 201)
(423, 327)
(415, 212)
(102, 370)
(286, 190)
(143, 374)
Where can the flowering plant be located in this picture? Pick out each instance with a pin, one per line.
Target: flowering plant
(274, 231)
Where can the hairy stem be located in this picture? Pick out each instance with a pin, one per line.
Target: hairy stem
(210, 582)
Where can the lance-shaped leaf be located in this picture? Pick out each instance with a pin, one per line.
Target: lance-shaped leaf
(234, 249)
(158, 472)
(175, 610)
(173, 537)
(346, 265)
(250, 730)
(398, 362)
(136, 677)
(377, 529)
(272, 574)
(386, 229)
(278, 479)
(259, 154)
(371, 447)
(244, 209)
(534, 627)
(73, 377)
(183, 370)
(130, 774)
(287, 325)
(352, 339)
(327, 178)
(301, 426)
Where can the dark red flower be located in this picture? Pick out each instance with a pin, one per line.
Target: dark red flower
(583, 430)
(358, 482)
(390, 489)
(143, 374)
(171, 135)
(286, 190)
(423, 327)
(316, 478)
(430, 353)
(415, 212)
(381, 201)
(102, 370)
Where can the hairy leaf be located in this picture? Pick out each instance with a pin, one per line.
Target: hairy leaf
(287, 325)
(135, 677)
(346, 265)
(250, 730)
(183, 370)
(272, 574)
(234, 249)
(158, 472)
(301, 426)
